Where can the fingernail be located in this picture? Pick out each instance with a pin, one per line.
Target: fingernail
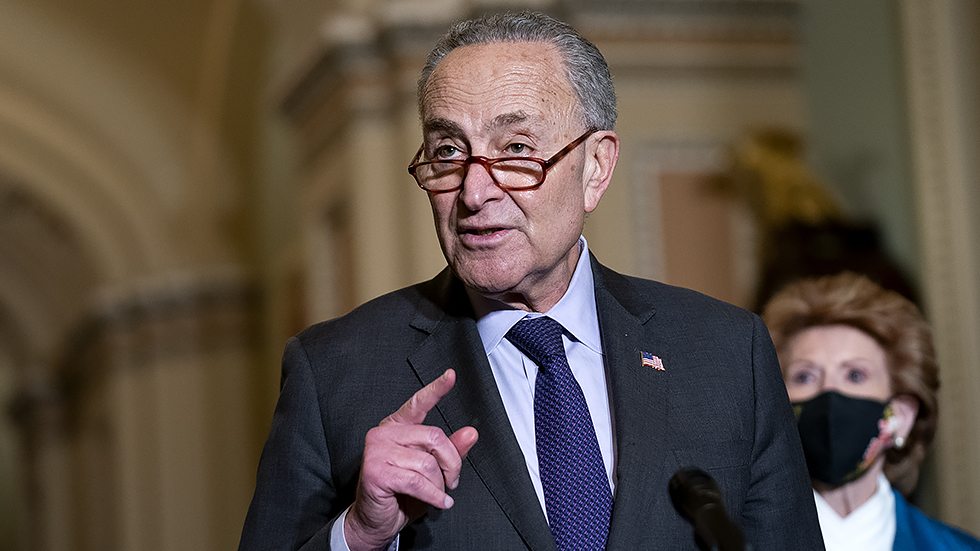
(449, 502)
(455, 482)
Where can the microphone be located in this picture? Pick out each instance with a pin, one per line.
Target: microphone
(697, 499)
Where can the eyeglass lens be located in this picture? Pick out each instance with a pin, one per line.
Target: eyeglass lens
(508, 173)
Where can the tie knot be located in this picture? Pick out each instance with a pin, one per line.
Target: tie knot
(539, 338)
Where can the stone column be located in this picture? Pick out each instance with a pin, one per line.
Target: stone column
(38, 410)
(941, 80)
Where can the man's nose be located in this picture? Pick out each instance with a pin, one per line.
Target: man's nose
(478, 186)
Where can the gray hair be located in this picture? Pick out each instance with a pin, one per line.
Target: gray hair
(586, 69)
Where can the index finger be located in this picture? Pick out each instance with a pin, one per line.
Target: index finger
(417, 407)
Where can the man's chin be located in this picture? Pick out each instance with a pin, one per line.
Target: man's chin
(486, 275)
(488, 288)
(488, 284)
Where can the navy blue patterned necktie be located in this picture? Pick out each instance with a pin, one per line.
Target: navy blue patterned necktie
(576, 490)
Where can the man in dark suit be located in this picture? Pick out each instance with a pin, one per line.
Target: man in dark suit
(454, 415)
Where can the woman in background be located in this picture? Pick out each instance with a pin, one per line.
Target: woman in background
(860, 369)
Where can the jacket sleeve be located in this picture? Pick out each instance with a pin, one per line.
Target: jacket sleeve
(914, 531)
(295, 500)
(779, 512)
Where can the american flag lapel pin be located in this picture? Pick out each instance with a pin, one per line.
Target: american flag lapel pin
(650, 360)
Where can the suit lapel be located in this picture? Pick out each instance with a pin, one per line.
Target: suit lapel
(639, 399)
(454, 342)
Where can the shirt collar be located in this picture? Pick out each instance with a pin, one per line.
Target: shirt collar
(575, 311)
(869, 514)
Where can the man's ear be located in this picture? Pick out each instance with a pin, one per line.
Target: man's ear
(906, 409)
(599, 164)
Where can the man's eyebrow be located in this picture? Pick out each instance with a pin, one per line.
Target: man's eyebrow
(441, 125)
(447, 126)
(507, 119)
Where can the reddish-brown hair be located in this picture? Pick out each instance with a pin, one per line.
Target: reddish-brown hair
(895, 323)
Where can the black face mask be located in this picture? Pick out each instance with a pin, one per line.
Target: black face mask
(842, 436)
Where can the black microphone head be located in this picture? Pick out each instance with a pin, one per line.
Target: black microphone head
(691, 489)
(697, 498)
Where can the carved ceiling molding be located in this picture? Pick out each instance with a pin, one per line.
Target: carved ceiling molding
(692, 35)
(370, 65)
(159, 320)
(183, 319)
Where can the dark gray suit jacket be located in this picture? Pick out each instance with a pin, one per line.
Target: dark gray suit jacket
(720, 404)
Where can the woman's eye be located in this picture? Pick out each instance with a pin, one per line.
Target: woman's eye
(799, 376)
(856, 376)
(803, 378)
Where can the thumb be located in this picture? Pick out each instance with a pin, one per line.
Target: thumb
(464, 439)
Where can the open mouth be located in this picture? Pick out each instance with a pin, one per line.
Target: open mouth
(483, 232)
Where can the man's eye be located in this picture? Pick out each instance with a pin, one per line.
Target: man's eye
(518, 149)
(446, 152)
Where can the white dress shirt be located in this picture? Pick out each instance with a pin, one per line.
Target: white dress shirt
(870, 527)
(515, 373)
